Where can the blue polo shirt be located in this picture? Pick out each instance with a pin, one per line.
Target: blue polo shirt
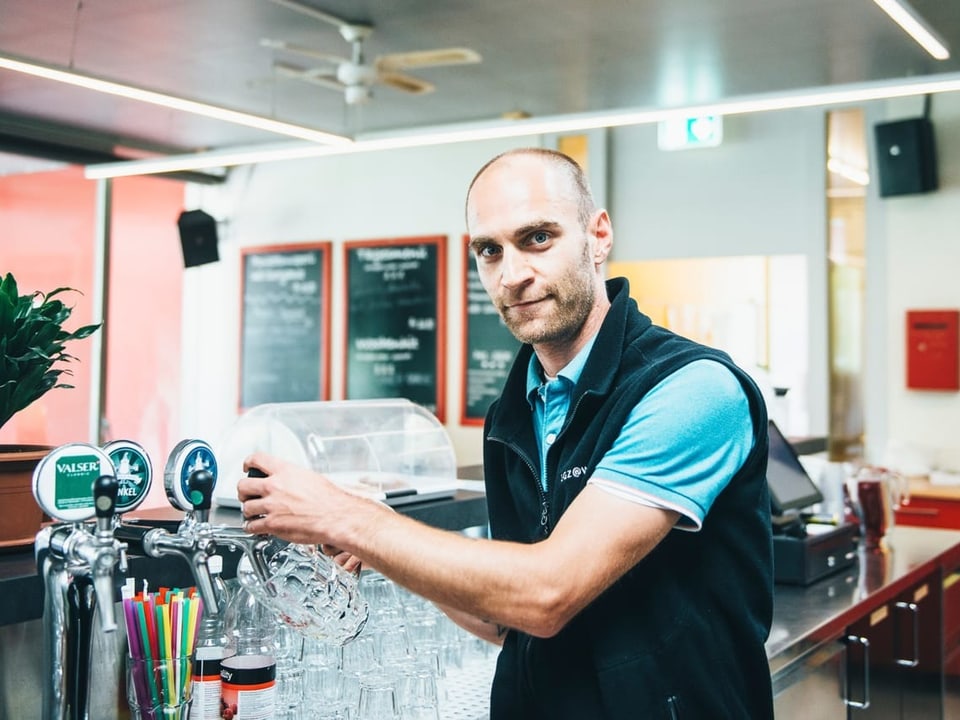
(681, 445)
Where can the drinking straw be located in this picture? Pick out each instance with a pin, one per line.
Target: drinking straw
(150, 614)
(186, 640)
(148, 655)
(134, 641)
(164, 649)
(175, 631)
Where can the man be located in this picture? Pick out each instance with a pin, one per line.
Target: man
(630, 574)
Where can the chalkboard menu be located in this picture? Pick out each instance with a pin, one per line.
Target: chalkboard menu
(284, 336)
(395, 320)
(489, 347)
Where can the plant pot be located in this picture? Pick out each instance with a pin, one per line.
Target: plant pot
(20, 516)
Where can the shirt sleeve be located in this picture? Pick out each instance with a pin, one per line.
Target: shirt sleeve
(682, 443)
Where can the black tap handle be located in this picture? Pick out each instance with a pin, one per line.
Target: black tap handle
(256, 472)
(132, 534)
(201, 484)
(81, 602)
(105, 496)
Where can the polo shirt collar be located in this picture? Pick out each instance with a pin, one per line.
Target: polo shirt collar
(569, 372)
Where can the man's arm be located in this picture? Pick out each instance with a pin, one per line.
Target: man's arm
(483, 629)
(536, 588)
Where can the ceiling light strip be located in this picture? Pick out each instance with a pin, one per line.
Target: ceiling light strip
(89, 82)
(492, 130)
(915, 26)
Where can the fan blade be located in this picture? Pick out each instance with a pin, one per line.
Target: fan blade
(315, 76)
(427, 58)
(404, 82)
(302, 50)
(313, 12)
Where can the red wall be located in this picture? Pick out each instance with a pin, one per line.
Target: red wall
(46, 231)
(47, 240)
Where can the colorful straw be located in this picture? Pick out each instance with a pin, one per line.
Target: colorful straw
(161, 634)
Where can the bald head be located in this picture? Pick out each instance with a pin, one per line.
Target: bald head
(573, 179)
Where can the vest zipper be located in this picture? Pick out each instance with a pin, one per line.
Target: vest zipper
(544, 504)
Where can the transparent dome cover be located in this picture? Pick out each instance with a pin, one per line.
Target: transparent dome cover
(392, 449)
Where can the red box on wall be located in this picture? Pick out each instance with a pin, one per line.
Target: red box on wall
(933, 350)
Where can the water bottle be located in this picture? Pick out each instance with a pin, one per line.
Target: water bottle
(248, 672)
(211, 649)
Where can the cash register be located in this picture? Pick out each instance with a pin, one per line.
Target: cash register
(806, 547)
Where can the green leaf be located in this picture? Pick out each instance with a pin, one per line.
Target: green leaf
(33, 344)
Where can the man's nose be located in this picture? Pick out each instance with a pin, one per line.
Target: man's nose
(514, 269)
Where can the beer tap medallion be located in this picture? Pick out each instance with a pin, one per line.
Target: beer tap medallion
(187, 457)
(133, 471)
(62, 481)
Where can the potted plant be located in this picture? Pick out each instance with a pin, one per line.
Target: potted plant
(32, 360)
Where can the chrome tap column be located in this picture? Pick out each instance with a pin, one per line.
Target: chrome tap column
(73, 484)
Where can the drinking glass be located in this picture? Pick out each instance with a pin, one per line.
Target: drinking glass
(417, 690)
(308, 591)
(159, 689)
(382, 598)
(322, 683)
(378, 699)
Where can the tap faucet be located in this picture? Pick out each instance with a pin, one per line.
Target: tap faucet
(193, 541)
(254, 547)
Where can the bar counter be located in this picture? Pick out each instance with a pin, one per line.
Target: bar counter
(805, 618)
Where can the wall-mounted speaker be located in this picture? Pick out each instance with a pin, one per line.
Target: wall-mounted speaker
(198, 238)
(906, 157)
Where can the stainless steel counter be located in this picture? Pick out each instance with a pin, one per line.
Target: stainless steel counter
(805, 617)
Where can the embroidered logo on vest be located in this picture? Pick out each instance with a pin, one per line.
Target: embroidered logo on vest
(574, 472)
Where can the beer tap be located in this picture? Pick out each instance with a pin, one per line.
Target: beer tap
(189, 480)
(253, 547)
(77, 565)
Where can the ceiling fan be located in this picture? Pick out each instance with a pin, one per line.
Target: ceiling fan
(354, 75)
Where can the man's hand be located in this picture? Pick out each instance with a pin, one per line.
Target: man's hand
(300, 506)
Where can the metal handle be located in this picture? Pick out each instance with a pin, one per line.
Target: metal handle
(914, 611)
(105, 501)
(132, 534)
(201, 484)
(865, 703)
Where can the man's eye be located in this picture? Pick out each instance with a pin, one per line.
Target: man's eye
(539, 238)
(487, 251)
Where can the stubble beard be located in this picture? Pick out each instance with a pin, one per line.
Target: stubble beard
(573, 297)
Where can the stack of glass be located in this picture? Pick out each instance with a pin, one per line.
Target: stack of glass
(410, 662)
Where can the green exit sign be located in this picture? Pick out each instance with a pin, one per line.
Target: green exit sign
(690, 132)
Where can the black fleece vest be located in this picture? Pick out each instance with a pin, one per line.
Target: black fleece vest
(682, 634)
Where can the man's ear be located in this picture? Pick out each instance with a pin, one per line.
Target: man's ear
(602, 231)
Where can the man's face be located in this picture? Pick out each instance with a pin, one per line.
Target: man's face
(533, 257)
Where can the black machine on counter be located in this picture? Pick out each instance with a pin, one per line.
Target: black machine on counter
(804, 550)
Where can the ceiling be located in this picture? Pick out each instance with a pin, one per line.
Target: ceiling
(541, 57)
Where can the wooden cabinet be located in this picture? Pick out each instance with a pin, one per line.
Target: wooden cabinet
(930, 506)
(887, 664)
(895, 657)
(951, 642)
(930, 512)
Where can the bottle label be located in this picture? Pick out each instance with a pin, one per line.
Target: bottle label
(248, 687)
(207, 668)
(206, 698)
